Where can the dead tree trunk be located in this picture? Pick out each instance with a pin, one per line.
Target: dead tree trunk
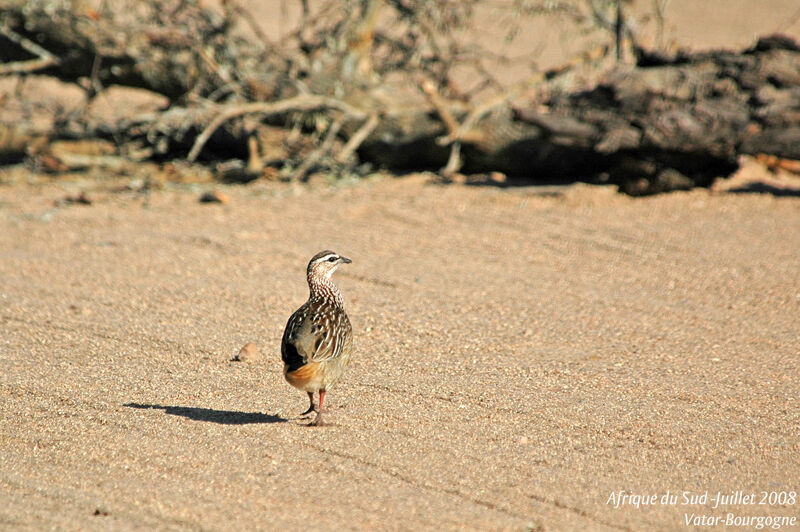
(664, 125)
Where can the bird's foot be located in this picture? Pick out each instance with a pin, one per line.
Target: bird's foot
(312, 408)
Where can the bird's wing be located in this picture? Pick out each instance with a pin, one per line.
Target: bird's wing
(297, 345)
(315, 336)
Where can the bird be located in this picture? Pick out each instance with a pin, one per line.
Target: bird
(318, 338)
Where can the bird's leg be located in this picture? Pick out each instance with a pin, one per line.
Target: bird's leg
(318, 420)
(311, 407)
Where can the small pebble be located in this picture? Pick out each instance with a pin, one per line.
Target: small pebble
(248, 353)
(498, 177)
(213, 197)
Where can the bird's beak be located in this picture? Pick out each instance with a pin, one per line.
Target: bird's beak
(345, 260)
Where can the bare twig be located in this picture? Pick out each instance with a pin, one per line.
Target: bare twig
(44, 58)
(21, 67)
(326, 13)
(358, 138)
(247, 16)
(619, 27)
(95, 87)
(255, 164)
(220, 71)
(312, 158)
(658, 11)
(463, 131)
(438, 103)
(298, 103)
(454, 162)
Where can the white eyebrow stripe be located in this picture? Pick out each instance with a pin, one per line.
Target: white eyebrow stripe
(326, 257)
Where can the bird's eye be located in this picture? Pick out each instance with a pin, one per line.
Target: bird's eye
(332, 259)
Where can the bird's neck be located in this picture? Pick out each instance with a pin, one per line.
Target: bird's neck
(323, 288)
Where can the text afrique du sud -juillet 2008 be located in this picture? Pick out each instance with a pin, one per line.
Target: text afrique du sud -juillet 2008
(718, 500)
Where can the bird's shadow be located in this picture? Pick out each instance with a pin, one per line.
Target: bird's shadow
(223, 417)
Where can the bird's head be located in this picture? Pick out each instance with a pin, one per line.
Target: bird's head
(324, 263)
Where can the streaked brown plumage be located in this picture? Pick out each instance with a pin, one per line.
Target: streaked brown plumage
(318, 338)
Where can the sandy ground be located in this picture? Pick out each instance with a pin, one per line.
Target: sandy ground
(521, 354)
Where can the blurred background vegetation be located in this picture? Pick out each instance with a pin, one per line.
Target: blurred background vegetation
(539, 90)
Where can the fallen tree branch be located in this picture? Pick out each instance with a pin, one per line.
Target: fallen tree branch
(304, 102)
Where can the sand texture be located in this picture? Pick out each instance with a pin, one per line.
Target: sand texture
(520, 354)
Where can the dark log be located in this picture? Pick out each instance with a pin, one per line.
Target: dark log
(671, 124)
